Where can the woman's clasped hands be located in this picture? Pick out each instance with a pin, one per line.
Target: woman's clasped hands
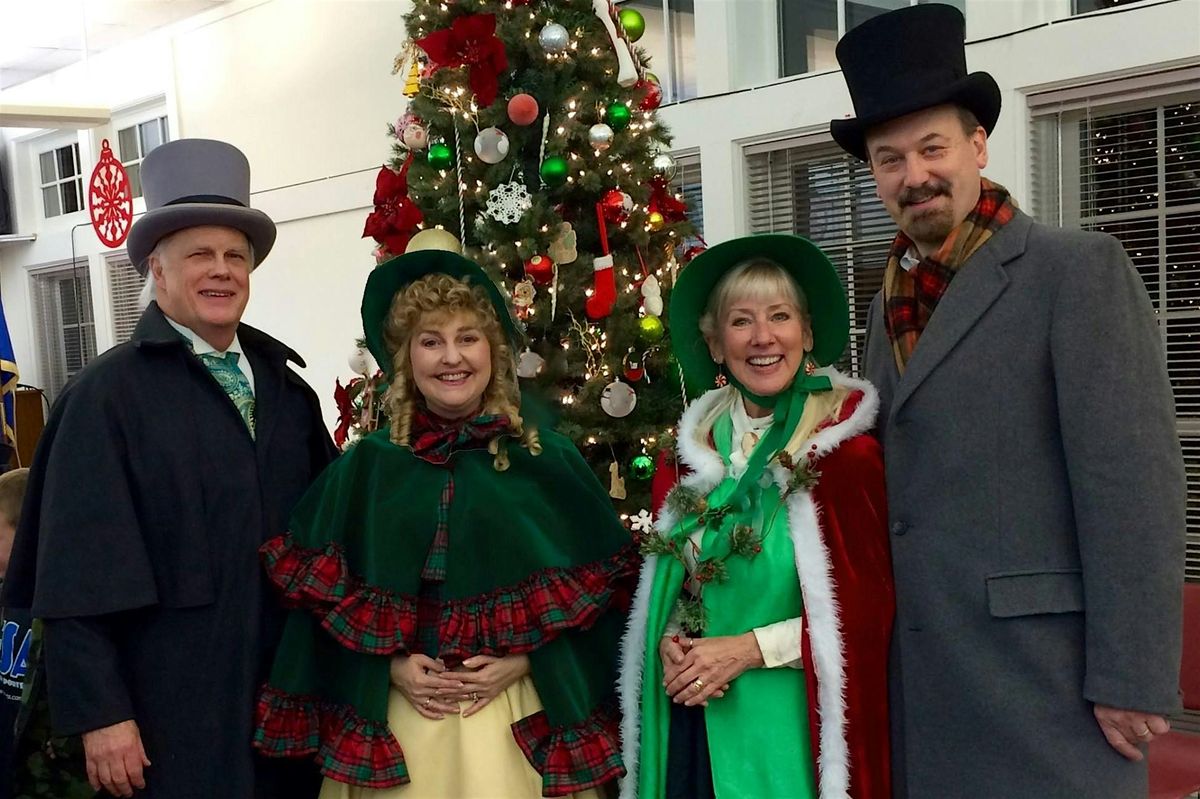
(435, 691)
(696, 670)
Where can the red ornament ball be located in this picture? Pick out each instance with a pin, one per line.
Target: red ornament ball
(617, 205)
(634, 373)
(653, 98)
(540, 270)
(523, 109)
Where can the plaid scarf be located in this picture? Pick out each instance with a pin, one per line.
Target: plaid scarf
(910, 297)
(434, 439)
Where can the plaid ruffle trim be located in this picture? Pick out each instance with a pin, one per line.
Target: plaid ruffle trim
(348, 748)
(358, 617)
(527, 616)
(507, 621)
(574, 758)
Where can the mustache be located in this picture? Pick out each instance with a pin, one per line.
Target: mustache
(926, 191)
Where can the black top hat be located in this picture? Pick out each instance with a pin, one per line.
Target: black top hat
(194, 182)
(904, 61)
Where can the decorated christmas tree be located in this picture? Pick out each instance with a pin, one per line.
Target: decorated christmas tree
(531, 143)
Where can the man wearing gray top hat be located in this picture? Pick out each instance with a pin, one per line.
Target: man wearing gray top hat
(1035, 483)
(165, 464)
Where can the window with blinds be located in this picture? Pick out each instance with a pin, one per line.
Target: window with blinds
(62, 300)
(1129, 166)
(124, 291)
(814, 189)
(687, 183)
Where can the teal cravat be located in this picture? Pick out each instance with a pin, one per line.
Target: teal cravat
(224, 367)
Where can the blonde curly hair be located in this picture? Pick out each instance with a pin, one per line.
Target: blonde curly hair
(439, 295)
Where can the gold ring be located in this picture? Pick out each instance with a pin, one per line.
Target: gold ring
(1145, 734)
(699, 684)
(428, 699)
(474, 696)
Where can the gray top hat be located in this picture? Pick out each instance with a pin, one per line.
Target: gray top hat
(194, 182)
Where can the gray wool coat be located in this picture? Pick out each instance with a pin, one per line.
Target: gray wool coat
(1036, 509)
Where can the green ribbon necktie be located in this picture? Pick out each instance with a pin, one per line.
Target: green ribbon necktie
(224, 368)
(738, 506)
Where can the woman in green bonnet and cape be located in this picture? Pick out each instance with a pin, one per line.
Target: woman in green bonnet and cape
(459, 579)
(755, 660)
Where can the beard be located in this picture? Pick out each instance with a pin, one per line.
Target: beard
(928, 225)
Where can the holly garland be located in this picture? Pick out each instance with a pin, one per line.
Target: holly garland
(689, 608)
(743, 541)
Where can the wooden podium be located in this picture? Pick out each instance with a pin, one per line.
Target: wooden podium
(31, 418)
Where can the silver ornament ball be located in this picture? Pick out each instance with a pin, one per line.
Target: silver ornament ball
(491, 145)
(665, 165)
(554, 38)
(600, 136)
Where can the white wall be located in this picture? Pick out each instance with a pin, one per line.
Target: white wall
(304, 88)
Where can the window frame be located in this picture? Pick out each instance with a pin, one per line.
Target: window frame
(136, 123)
(688, 184)
(59, 183)
(670, 77)
(843, 16)
(51, 326)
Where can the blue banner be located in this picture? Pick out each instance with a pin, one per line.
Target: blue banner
(8, 382)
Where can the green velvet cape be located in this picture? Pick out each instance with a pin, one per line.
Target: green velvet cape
(538, 563)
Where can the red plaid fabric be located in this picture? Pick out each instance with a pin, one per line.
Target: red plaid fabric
(511, 620)
(434, 569)
(575, 758)
(910, 298)
(524, 617)
(358, 616)
(348, 748)
(435, 439)
(304, 576)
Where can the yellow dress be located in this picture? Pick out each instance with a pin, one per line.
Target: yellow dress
(457, 758)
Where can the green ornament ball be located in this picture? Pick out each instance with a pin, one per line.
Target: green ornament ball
(617, 115)
(633, 23)
(650, 330)
(641, 467)
(440, 156)
(554, 170)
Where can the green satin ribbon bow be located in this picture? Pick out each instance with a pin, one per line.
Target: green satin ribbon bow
(736, 505)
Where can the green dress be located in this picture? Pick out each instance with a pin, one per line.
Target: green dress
(758, 733)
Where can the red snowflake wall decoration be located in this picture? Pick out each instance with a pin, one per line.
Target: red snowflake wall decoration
(110, 199)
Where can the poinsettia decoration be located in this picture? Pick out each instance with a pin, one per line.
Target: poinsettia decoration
(396, 216)
(665, 203)
(470, 42)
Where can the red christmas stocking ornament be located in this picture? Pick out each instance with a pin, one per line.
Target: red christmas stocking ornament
(604, 279)
(604, 288)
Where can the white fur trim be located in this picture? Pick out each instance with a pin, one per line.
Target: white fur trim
(707, 467)
(629, 686)
(825, 638)
(813, 568)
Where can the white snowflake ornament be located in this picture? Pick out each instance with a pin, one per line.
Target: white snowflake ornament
(508, 202)
(643, 522)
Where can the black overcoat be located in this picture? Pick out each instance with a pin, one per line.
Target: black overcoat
(147, 502)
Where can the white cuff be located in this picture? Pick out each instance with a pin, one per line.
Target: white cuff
(780, 643)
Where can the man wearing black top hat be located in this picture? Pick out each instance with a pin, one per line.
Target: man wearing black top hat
(1035, 483)
(165, 464)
